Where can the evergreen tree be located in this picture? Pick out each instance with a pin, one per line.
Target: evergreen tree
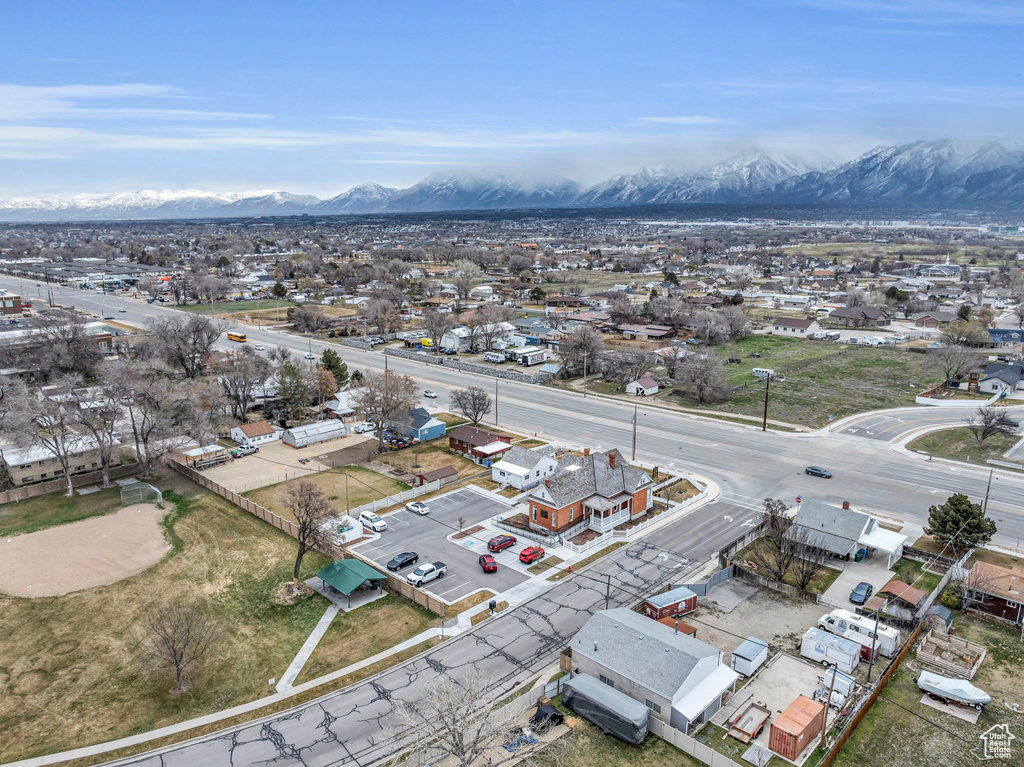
(960, 522)
(330, 361)
(292, 391)
(279, 290)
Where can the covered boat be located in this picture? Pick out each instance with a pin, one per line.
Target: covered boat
(948, 690)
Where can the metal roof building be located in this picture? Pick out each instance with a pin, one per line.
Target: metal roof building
(314, 433)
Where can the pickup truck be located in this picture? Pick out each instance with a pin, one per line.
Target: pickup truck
(427, 572)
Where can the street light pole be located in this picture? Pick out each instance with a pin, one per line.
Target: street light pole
(767, 383)
(988, 488)
(495, 402)
(634, 431)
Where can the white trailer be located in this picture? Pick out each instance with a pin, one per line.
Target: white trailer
(830, 650)
(861, 629)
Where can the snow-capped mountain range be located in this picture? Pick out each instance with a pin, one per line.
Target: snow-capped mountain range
(942, 171)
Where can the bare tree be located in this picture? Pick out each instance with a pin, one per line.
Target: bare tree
(182, 339)
(60, 345)
(324, 385)
(473, 402)
(466, 273)
(623, 366)
(775, 552)
(436, 325)
(311, 509)
(1018, 313)
(241, 379)
(964, 333)
(47, 423)
(99, 410)
(176, 636)
(581, 350)
(989, 421)
(735, 322)
(974, 588)
(810, 561)
(458, 721)
(953, 361)
(702, 376)
(307, 319)
(383, 398)
(710, 327)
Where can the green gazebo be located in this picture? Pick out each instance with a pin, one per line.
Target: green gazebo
(347, 575)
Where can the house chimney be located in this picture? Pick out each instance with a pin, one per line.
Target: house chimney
(586, 451)
(611, 459)
(846, 505)
(595, 646)
(547, 482)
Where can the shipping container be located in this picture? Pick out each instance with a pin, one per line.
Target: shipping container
(796, 728)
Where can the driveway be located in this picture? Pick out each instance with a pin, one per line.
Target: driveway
(871, 570)
(428, 537)
(278, 462)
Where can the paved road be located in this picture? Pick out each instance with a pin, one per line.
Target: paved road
(350, 726)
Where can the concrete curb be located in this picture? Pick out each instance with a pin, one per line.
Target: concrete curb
(898, 445)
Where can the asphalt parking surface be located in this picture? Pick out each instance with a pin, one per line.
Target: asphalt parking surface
(427, 536)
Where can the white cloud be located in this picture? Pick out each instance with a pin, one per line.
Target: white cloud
(686, 120)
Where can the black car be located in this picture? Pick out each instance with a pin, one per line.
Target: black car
(817, 471)
(861, 592)
(403, 560)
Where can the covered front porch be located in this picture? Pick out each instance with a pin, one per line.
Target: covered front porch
(607, 513)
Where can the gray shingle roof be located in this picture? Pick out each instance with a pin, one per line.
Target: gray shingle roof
(830, 527)
(578, 477)
(640, 649)
(522, 457)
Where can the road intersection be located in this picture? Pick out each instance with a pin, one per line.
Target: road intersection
(353, 726)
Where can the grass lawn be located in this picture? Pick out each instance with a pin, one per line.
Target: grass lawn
(678, 492)
(913, 572)
(70, 676)
(56, 509)
(822, 379)
(364, 486)
(959, 445)
(394, 619)
(548, 563)
(919, 735)
(818, 585)
(234, 307)
(485, 482)
(531, 442)
(428, 456)
(587, 561)
(455, 608)
(451, 420)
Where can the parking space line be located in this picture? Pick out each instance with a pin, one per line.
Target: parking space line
(455, 586)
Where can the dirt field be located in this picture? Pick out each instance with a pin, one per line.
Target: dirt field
(364, 486)
(92, 552)
(768, 615)
(277, 462)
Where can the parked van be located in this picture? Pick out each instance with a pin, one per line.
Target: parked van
(887, 640)
(853, 340)
(495, 357)
(426, 343)
(763, 373)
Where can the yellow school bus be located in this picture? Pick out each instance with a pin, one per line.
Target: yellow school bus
(240, 337)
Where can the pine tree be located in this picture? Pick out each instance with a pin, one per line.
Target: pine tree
(330, 361)
(960, 522)
(279, 290)
(292, 390)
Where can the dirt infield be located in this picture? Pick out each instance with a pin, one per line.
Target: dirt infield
(80, 555)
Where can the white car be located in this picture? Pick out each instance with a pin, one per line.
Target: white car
(122, 310)
(259, 347)
(418, 508)
(309, 356)
(372, 521)
(362, 428)
(430, 394)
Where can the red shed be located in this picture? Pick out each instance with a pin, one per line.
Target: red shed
(796, 727)
(677, 601)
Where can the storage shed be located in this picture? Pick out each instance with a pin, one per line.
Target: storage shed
(749, 656)
(314, 433)
(795, 728)
(200, 458)
(677, 601)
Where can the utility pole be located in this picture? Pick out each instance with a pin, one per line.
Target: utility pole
(348, 507)
(584, 372)
(828, 704)
(871, 660)
(767, 383)
(495, 401)
(608, 592)
(634, 431)
(988, 488)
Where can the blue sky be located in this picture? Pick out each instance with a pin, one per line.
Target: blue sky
(318, 96)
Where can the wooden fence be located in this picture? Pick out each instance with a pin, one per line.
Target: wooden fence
(58, 485)
(394, 583)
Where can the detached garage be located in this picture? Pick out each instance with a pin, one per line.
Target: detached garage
(314, 433)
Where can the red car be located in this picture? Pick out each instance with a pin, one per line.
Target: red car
(531, 554)
(488, 564)
(501, 542)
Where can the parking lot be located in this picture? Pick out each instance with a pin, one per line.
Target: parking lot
(428, 537)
